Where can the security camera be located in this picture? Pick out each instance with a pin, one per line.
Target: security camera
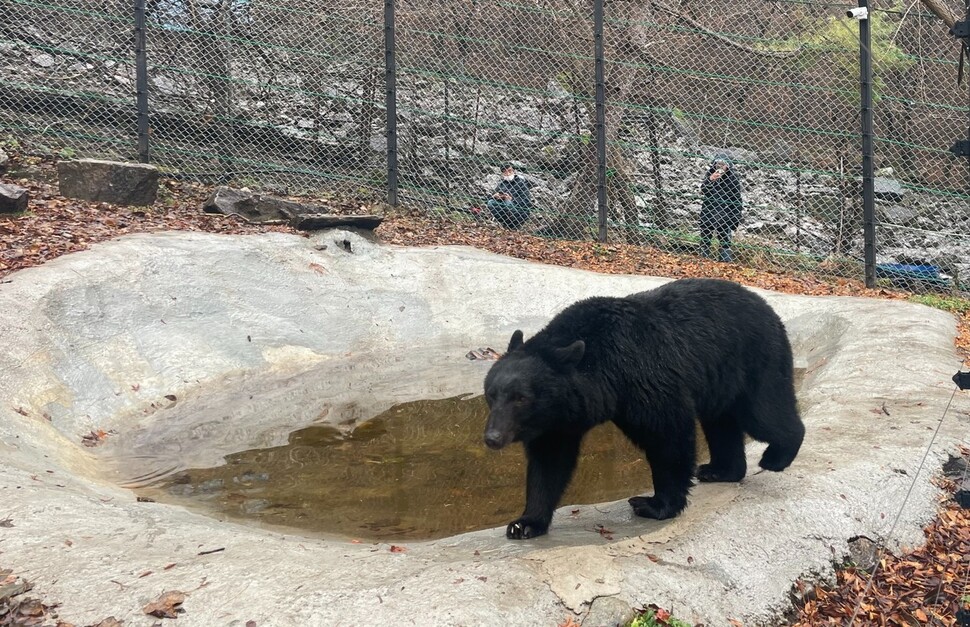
(858, 13)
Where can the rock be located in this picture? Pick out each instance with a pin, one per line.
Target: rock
(898, 214)
(956, 468)
(164, 85)
(210, 487)
(315, 222)
(378, 143)
(864, 552)
(43, 60)
(268, 209)
(256, 207)
(3, 159)
(888, 189)
(254, 506)
(116, 182)
(13, 199)
(608, 612)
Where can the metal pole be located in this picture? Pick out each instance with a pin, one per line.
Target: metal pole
(141, 82)
(601, 197)
(868, 182)
(390, 100)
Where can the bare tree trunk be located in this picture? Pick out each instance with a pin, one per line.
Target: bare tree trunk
(212, 57)
(840, 247)
(624, 45)
(368, 111)
(798, 210)
(661, 214)
(940, 10)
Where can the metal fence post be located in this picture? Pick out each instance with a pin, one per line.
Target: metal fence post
(868, 182)
(390, 83)
(141, 83)
(601, 195)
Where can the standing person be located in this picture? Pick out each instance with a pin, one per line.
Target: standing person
(511, 203)
(721, 207)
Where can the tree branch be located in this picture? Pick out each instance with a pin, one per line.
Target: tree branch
(728, 40)
(940, 10)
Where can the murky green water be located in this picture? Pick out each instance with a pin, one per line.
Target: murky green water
(417, 471)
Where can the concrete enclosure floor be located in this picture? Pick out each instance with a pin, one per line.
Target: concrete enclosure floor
(142, 335)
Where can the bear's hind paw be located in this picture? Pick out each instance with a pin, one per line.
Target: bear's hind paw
(776, 458)
(655, 507)
(707, 473)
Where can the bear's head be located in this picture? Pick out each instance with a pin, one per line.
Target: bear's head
(525, 388)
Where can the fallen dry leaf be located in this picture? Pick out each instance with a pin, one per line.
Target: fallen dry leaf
(94, 438)
(57, 226)
(925, 586)
(398, 549)
(167, 605)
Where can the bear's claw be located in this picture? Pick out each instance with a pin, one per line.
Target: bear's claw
(523, 529)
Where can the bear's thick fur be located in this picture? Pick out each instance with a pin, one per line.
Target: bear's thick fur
(651, 362)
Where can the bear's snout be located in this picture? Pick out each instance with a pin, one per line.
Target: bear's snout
(495, 439)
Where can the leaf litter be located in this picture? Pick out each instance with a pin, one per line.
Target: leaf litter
(925, 586)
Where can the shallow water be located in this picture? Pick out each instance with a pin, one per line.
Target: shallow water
(417, 471)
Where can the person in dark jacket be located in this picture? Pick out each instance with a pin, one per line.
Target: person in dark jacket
(721, 207)
(511, 203)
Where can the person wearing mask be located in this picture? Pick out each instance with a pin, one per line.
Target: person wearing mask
(510, 203)
(721, 207)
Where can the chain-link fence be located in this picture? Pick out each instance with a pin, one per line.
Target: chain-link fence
(292, 95)
(67, 75)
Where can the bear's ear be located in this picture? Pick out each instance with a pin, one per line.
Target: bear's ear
(572, 354)
(515, 342)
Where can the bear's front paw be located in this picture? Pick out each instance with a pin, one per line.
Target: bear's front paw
(708, 473)
(525, 528)
(656, 507)
(777, 458)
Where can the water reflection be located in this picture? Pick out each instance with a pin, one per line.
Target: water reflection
(417, 471)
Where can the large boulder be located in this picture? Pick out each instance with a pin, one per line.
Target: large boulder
(889, 189)
(119, 183)
(255, 207)
(13, 199)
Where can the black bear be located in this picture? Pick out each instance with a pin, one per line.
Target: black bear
(651, 362)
